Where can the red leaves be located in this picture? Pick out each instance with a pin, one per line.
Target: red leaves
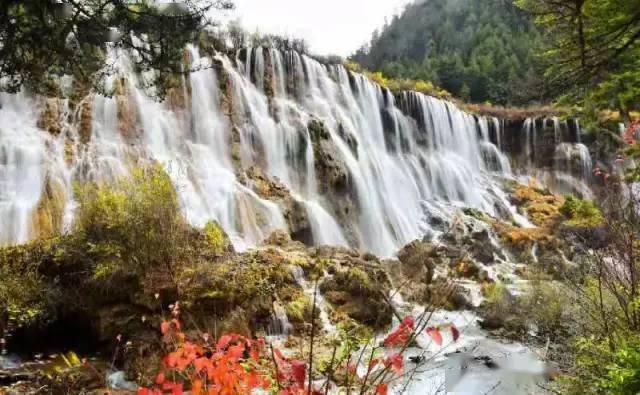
(629, 135)
(400, 336)
(382, 389)
(373, 363)
(166, 326)
(160, 378)
(455, 333)
(224, 342)
(299, 372)
(291, 374)
(196, 387)
(435, 334)
(395, 361)
(207, 370)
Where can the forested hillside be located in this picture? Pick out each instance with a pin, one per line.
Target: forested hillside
(479, 50)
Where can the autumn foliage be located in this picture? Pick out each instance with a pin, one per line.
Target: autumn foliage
(228, 366)
(235, 364)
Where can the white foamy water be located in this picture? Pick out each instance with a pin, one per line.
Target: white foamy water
(397, 152)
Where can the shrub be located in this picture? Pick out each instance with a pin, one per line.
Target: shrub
(548, 308)
(581, 212)
(600, 369)
(216, 238)
(397, 85)
(134, 223)
(23, 296)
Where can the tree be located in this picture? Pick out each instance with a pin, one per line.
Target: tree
(589, 42)
(426, 40)
(43, 40)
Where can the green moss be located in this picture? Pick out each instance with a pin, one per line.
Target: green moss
(541, 206)
(357, 292)
(299, 310)
(477, 214)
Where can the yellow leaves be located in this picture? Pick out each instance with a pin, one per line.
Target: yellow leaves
(542, 207)
(609, 115)
(215, 237)
(398, 84)
(353, 66)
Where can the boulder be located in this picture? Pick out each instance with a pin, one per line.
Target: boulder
(418, 260)
(358, 290)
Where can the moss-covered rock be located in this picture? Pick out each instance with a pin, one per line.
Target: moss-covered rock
(48, 216)
(86, 119)
(418, 260)
(541, 206)
(334, 178)
(358, 290)
(294, 212)
(467, 268)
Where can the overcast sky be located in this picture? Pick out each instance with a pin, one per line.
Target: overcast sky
(329, 26)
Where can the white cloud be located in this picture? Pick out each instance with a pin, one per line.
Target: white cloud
(329, 26)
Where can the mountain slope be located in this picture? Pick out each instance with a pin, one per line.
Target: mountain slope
(480, 50)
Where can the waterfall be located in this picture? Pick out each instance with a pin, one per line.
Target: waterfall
(360, 161)
(22, 173)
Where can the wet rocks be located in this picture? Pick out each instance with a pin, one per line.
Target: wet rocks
(418, 260)
(295, 212)
(348, 138)
(357, 289)
(415, 271)
(333, 177)
(50, 117)
(48, 216)
(331, 170)
(86, 118)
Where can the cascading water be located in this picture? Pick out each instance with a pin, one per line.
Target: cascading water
(550, 150)
(22, 173)
(360, 161)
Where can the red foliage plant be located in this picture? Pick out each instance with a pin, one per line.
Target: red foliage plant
(629, 135)
(227, 367)
(230, 366)
(401, 335)
(235, 364)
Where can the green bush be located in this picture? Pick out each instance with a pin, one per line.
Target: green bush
(599, 369)
(581, 212)
(22, 295)
(133, 223)
(216, 238)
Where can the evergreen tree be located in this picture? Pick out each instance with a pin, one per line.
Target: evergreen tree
(41, 40)
(592, 47)
(482, 46)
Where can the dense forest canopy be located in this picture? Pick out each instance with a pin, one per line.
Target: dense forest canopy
(479, 50)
